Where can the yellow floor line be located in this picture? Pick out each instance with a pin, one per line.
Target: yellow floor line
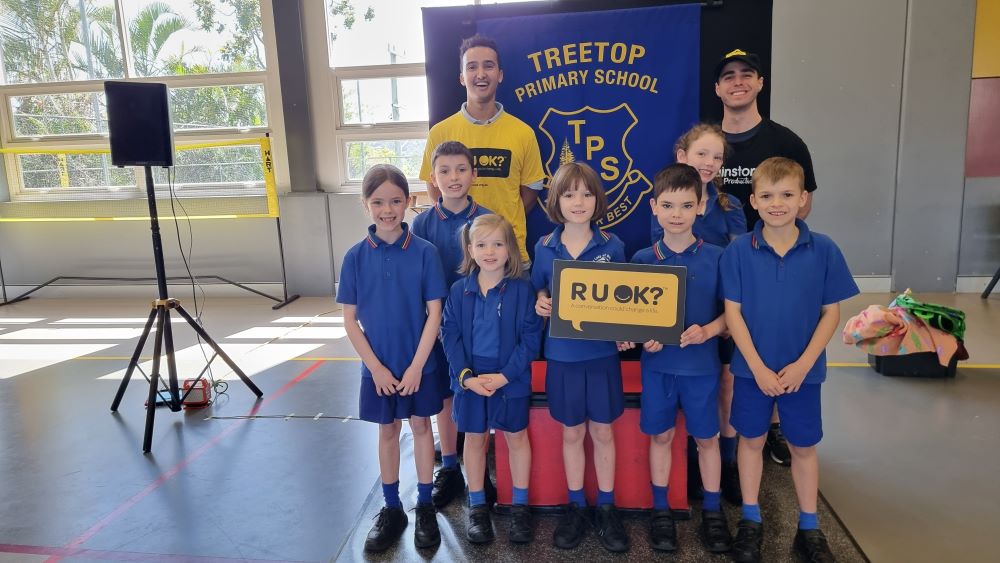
(356, 359)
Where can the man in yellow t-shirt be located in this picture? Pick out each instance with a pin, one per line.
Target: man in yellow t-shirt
(508, 162)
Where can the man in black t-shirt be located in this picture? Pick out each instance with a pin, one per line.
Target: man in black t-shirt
(752, 137)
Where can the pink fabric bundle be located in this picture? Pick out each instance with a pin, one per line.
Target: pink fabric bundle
(892, 331)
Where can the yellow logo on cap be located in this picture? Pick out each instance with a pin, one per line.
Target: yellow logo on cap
(735, 52)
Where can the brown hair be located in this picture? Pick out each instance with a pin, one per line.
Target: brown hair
(563, 181)
(380, 174)
(485, 224)
(477, 41)
(693, 134)
(776, 169)
(677, 177)
(452, 148)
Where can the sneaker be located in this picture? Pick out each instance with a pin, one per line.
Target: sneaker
(571, 527)
(731, 483)
(714, 531)
(448, 484)
(777, 447)
(490, 489)
(480, 528)
(746, 546)
(426, 532)
(662, 532)
(694, 484)
(389, 525)
(610, 531)
(521, 529)
(811, 546)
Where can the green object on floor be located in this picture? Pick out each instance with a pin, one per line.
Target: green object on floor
(943, 318)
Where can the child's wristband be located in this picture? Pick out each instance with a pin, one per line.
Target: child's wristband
(461, 377)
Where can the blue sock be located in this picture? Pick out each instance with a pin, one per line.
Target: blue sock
(449, 460)
(477, 498)
(727, 447)
(711, 501)
(391, 493)
(605, 497)
(577, 497)
(520, 496)
(660, 498)
(751, 512)
(808, 521)
(424, 492)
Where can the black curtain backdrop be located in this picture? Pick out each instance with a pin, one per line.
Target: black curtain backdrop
(744, 24)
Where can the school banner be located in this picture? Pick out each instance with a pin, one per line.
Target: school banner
(613, 89)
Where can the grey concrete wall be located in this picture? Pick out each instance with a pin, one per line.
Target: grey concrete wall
(305, 227)
(980, 253)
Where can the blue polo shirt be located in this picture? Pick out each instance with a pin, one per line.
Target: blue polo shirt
(717, 225)
(781, 297)
(486, 318)
(441, 227)
(702, 305)
(390, 285)
(603, 247)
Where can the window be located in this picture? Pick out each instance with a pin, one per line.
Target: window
(54, 55)
(376, 50)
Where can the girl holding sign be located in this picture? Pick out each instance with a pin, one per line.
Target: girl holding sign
(583, 378)
(490, 335)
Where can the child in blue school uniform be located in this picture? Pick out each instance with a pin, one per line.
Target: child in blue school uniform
(453, 172)
(392, 286)
(491, 334)
(583, 380)
(783, 286)
(721, 220)
(684, 376)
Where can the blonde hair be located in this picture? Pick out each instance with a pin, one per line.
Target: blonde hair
(563, 181)
(776, 169)
(685, 141)
(484, 225)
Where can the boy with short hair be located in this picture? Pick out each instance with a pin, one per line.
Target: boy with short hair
(685, 376)
(453, 170)
(783, 286)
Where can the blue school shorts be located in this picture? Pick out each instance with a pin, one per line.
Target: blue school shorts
(427, 401)
(443, 374)
(588, 390)
(663, 393)
(726, 348)
(477, 414)
(800, 413)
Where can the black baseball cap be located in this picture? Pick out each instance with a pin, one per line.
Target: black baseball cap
(737, 55)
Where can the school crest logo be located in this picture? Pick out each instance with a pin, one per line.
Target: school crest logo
(598, 137)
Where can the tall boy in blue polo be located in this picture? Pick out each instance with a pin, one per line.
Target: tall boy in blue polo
(685, 376)
(453, 171)
(783, 286)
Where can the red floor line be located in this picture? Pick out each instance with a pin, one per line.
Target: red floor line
(106, 555)
(170, 473)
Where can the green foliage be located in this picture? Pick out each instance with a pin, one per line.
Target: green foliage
(346, 15)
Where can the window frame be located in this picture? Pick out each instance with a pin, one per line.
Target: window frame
(267, 79)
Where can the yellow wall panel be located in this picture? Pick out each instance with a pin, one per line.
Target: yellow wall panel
(986, 51)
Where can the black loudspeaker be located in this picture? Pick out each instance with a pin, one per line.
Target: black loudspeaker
(139, 124)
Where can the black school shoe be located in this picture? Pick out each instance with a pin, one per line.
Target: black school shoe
(480, 529)
(610, 530)
(776, 447)
(571, 527)
(811, 547)
(426, 533)
(521, 529)
(662, 532)
(448, 484)
(731, 483)
(749, 538)
(389, 525)
(714, 531)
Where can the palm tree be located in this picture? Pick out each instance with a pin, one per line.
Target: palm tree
(149, 32)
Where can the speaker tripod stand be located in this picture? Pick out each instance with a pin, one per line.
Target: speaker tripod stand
(163, 340)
